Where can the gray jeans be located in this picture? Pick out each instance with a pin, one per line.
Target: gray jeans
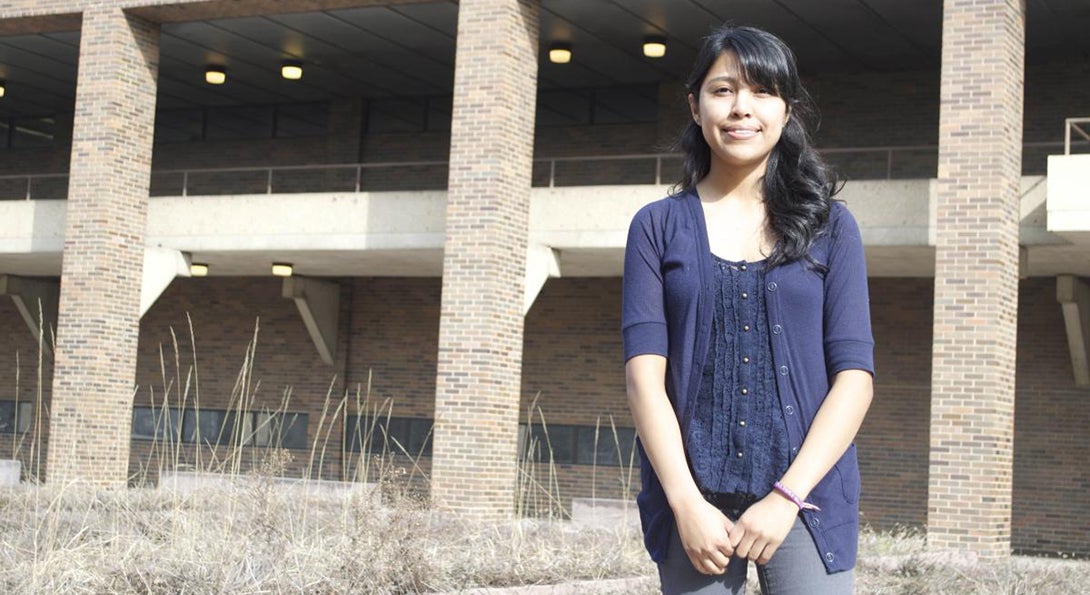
(795, 569)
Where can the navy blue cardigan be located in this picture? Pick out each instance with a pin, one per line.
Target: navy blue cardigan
(820, 324)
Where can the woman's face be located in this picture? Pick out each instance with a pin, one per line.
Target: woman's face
(741, 122)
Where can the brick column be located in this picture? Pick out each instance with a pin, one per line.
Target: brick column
(488, 198)
(101, 275)
(976, 277)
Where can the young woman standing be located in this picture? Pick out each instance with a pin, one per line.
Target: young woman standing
(747, 340)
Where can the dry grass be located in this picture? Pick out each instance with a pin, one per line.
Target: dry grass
(255, 537)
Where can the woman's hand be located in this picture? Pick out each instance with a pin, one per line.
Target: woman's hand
(763, 527)
(705, 535)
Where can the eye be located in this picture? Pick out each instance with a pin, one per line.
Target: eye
(721, 90)
(764, 91)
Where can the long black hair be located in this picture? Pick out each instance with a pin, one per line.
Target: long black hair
(797, 186)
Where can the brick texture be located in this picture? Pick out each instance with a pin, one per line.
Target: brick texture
(976, 277)
(488, 198)
(104, 248)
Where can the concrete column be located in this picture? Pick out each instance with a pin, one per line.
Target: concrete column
(101, 275)
(488, 199)
(976, 277)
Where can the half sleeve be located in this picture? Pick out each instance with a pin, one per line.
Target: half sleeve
(848, 342)
(643, 317)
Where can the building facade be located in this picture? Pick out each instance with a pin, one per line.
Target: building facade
(452, 205)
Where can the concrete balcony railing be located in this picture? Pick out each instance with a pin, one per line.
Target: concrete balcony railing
(1069, 184)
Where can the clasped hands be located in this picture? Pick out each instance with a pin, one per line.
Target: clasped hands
(710, 538)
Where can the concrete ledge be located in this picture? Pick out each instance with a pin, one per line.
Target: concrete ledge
(604, 513)
(10, 471)
(186, 482)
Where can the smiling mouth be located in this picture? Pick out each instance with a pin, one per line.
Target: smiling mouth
(741, 133)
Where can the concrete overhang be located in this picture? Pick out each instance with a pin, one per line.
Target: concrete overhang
(402, 233)
(1069, 197)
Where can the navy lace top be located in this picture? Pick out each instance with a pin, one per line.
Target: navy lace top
(737, 442)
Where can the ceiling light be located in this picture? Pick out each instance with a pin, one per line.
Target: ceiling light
(3, 87)
(198, 269)
(654, 47)
(291, 70)
(560, 53)
(215, 75)
(282, 269)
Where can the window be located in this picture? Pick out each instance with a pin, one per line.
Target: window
(401, 435)
(151, 423)
(16, 417)
(277, 429)
(280, 429)
(578, 445)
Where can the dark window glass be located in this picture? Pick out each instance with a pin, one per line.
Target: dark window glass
(554, 443)
(150, 423)
(280, 430)
(16, 417)
(400, 435)
(397, 115)
(32, 132)
(563, 107)
(302, 119)
(239, 122)
(173, 126)
(607, 449)
(210, 426)
(626, 104)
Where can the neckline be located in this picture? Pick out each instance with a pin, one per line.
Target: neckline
(738, 263)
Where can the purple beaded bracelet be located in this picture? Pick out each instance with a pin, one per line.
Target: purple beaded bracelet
(792, 496)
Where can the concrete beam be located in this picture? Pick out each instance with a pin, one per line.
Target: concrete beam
(36, 300)
(319, 304)
(542, 262)
(1074, 296)
(161, 266)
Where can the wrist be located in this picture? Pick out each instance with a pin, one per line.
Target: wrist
(789, 495)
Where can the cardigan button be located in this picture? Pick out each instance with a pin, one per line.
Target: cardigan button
(776, 329)
(783, 370)
(772, 286)
(745, 296)
(745, 391)
(745, 328)
(829, 556)
(743, 267)
(790, 410)
(745, 360)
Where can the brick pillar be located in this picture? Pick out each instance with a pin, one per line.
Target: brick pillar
(976, 277)
(101, 274)
(484, 264)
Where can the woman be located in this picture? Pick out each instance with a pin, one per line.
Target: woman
(747, 340)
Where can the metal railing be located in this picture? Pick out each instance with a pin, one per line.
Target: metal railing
(1075, 125)
(881, 162)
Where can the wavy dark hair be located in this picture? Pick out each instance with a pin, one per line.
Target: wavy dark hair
(798, 185)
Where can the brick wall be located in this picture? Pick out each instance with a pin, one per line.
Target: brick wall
(976, 277)
(571, 365)
(487, 219)
(19, 381)
(98, 323)
(1051, 431)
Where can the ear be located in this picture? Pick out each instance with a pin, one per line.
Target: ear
(694, 109)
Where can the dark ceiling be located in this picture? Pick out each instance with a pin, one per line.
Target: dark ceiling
(408, 49)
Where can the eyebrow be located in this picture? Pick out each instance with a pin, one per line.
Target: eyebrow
(723, 77)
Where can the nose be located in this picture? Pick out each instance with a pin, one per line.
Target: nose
(742, 104)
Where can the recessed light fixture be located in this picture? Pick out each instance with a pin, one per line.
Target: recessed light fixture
(198, 269)
(215, 75)
(291, 70)
(3, 87)
(282, 269)
(654, 47)
(560, 53)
